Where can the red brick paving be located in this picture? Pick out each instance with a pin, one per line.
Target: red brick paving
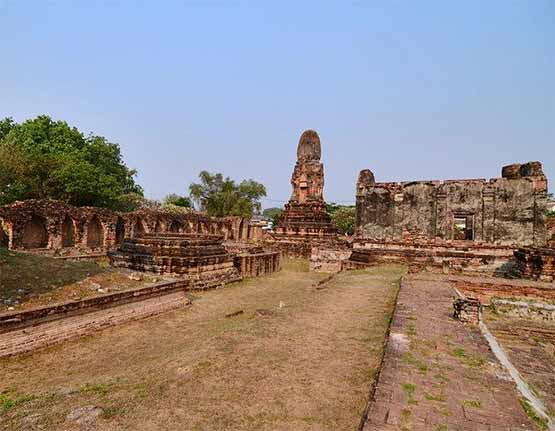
(439, 374)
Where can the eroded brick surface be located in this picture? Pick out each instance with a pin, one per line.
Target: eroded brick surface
(439, 374)
(508, 210)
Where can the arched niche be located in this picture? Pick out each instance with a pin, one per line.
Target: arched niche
(35, 234)
(95, 233)
(158, 227)
(4, 239)
(175, 227)
(68, 232)
(139, 227)
(120, 230)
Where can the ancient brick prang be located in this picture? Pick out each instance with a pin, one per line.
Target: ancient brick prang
(55, 227)
(508, 211)
(198, 257)
(536, 263)
(304, 221)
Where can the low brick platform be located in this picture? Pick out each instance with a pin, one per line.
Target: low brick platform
(201, 258)
(439, 257)
(439, 374)
(46, 334)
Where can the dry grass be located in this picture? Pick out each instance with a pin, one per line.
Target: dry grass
(306, 365)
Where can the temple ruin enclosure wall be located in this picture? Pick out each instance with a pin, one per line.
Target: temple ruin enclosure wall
(550, 229)
(53, 226)
(506, 211)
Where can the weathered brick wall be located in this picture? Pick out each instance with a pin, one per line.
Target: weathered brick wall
(52, 225)
(330, 258)
(432, 255)
(550, 229)
(509, 210)
(257, 264)
(536, 263)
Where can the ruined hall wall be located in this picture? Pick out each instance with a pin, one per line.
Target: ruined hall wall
(53, 225)
(550, 229)
(505, 211)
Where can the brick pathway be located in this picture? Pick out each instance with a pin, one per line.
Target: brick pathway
(439, 374)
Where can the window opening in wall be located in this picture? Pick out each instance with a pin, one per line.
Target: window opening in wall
(463, 227)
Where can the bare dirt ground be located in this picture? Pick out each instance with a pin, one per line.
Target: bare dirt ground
(28, 281)
(439, 374)
(298, 357)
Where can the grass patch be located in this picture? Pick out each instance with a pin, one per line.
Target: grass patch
(531, 413)
(411, 329)
(442, 378)
(442, 427)
(475, 361)
(112, 411)
(410, 359)
(477, 404)
(439, 397)
(409, 389)
(406, 415)
(10, 400)
(94, 388)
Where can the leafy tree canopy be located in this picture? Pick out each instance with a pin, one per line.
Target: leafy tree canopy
(343, 216)
(176, 200)
(220, 196)
(274, 214)
(46, 159)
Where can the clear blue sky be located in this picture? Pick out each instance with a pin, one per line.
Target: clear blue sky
(410, 89)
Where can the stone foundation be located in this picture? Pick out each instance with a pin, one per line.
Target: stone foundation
(432, 256)
(535, 263)
(201, 258)
(330, 258)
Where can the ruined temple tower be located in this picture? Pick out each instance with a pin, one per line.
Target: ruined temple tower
(304, 220)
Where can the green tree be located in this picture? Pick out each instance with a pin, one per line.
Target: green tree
(176, 200)
(343, 216)
(46, 159)
(220, 196)
(273, 214)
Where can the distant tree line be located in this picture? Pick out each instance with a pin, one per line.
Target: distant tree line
(46, 159)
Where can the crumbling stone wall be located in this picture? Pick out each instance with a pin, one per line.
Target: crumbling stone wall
(506, 211)
(550, 228)
(56, 227)
(535, 262)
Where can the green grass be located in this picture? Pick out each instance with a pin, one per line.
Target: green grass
(471, 360)
(410, 359)
(94, 388)
(10, 400)
(439, 397)
(409, 389)
(477, 404)
(529, 410)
